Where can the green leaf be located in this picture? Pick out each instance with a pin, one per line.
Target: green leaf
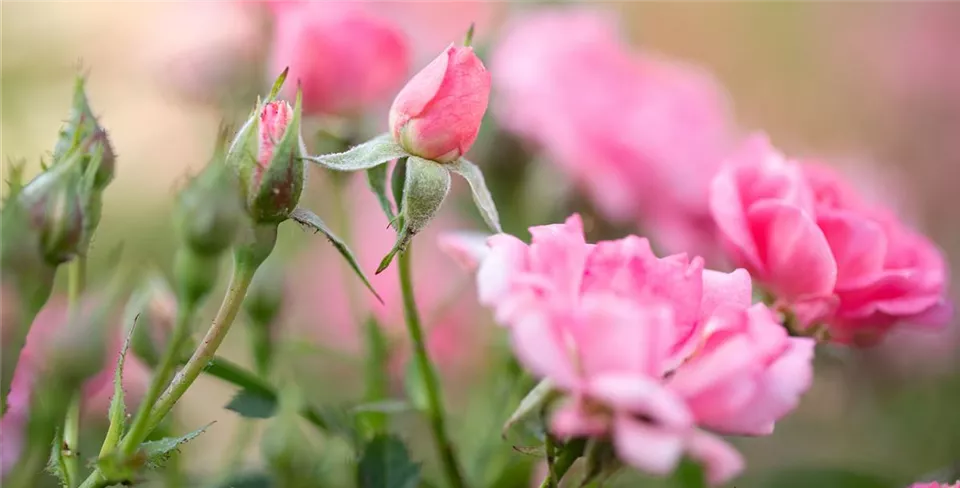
(377, 180)
(825, 477)
(277, 85)
(117, 414)
(385, 463)
(533, 403)
(307, 218)
(385, 406)
(253, 405)
(340, 421)
(376, 376)
(247, 480)
(374, 152)
(426, 187)
(481, 195)
(158, 452)
(56, 465)
(690, 474)
(415, 386)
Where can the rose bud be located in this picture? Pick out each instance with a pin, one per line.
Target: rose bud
(437, 114)
(152, 311)
(82, 128)
(268, 154)
(53, 200)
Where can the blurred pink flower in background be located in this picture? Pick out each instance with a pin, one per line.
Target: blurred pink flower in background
(934, 484)
(97, 391)
(319, 303)
(430, 26)
(437, 114)
(217, 44)
(824, 251)
(642, 134)
(344, 54)
(646, 348)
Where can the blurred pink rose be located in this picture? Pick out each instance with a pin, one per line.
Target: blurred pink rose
(97, 391)
(821, 249)
(645, 348)
(345, 56)
(934, 484)
(320, 304)
(642, 134)
(437, 114)
(431, 26)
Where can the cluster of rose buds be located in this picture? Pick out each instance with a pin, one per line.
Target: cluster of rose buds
(825, 255)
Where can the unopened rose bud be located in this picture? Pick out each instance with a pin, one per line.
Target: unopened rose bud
(209, 210)
(54, 202)
(77, 351)
(268, 154)
(153, 309)
(437, 114)
(82, 129)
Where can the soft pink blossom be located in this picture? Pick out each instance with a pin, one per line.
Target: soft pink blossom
(437, 114)
(824, 251)
(345, 56)
(934, 484)
(641, 133)
(646, 349)
(97, 391)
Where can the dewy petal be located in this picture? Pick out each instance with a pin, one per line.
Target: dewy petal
(646, 447)
(721, 461)
(796, 254)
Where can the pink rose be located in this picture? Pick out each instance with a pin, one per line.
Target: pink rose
(640, 133)
(822, 250)
(934, 484)
(645, 348)
(437, 114)
(345, 56)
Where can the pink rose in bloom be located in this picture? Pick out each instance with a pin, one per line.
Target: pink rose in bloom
(437, 114)
(97, 391)
(345, 56)
(319, 304)
(640, 133)
(822, 250)
(646, 349)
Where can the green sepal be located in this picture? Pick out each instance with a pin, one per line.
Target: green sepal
(376, 151)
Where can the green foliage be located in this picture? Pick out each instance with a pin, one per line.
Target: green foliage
(385, 463)
(156, 453)
(252, 404)
(825, 478)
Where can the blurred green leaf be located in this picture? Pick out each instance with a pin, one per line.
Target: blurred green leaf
(690, 474)
(247, 480)
(253, 405)
(825, 478)
(415, 386)
(376, 377)
(385, 463)
(117, 414)
(158, 452)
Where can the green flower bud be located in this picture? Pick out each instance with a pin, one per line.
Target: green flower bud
(82, 130)
(54, 200)
(77, 351)
(209, 210)
(268, 155)
(195, 275)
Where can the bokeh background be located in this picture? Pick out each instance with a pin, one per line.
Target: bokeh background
(870, 86)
